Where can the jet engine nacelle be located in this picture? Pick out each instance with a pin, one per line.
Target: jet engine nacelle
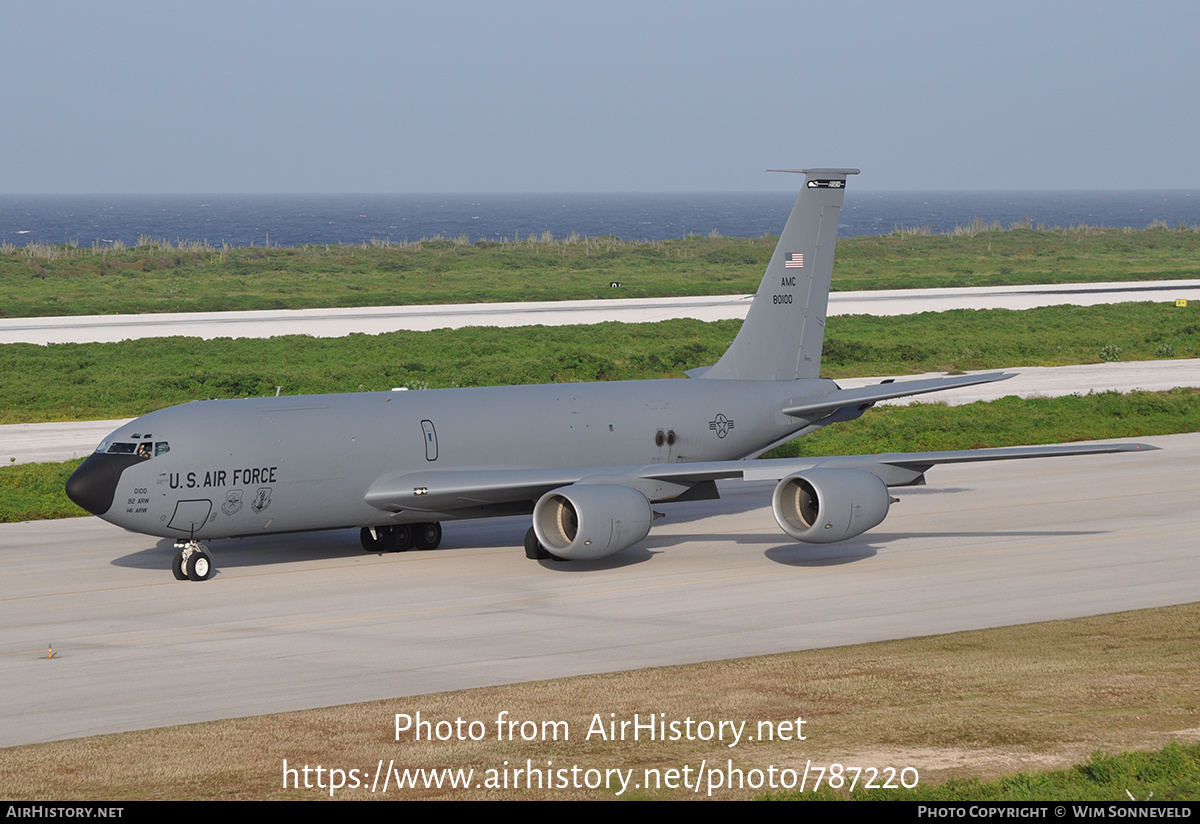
(822, 506)
(588, 521)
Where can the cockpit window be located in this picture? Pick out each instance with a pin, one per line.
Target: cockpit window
(144, 449)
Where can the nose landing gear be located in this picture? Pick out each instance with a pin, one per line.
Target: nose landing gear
(193, 562)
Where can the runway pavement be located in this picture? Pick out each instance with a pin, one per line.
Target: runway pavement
(310, 620)
(374, 320)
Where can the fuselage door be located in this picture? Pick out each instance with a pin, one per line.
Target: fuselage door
(430, 440)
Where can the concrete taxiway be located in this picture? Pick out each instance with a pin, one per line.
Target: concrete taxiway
(374, 320)
(310, 620)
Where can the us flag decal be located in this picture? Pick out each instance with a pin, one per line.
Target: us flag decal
(793, 260)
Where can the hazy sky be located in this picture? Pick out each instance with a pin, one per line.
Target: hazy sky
(516, 96)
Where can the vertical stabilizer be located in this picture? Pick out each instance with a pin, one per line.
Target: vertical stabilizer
(782, 337)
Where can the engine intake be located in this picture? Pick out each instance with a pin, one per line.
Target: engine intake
(589, 521)
(823, 506)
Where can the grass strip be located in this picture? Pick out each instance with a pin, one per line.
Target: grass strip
(1169, 774)
(130, 378)
(158, 276)
(35, 492)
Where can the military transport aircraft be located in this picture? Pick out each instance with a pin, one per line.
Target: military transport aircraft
(588, 460)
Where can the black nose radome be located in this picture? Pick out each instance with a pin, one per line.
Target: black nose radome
(94, 483)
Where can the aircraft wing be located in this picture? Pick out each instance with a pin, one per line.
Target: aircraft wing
(893, 468)
(446, 491)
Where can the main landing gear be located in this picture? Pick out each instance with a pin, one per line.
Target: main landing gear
(193, 562)
(534, 550)
(401, 537)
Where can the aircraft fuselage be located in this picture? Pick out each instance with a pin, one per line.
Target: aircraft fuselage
(262, 465)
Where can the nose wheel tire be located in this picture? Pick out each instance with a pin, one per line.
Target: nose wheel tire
(200, 565)
(192, 562)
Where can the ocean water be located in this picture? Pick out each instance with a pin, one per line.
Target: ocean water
(292, 220)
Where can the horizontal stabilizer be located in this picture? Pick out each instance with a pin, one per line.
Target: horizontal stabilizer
(885, 391)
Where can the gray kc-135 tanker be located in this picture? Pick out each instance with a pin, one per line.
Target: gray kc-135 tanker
(588, 460)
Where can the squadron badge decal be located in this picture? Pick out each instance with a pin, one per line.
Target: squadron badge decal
(233, 502)
(262, 499)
